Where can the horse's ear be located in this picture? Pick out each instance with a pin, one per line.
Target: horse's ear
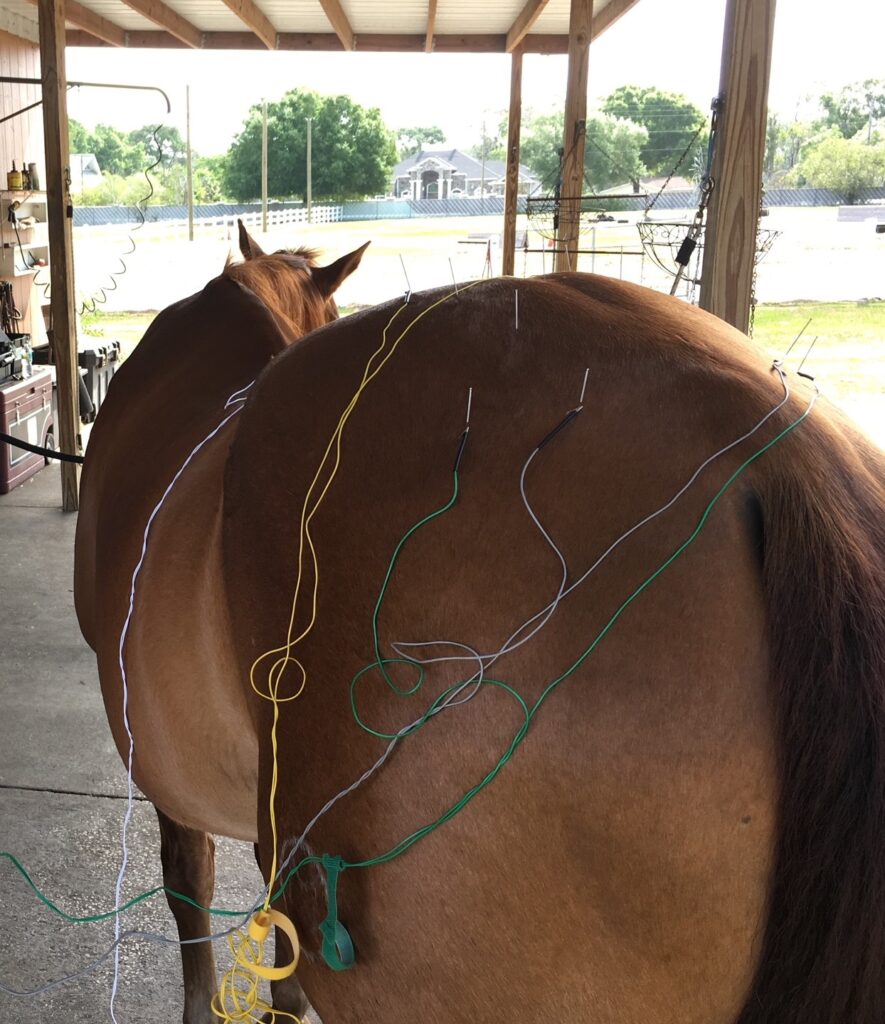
(248, 246)
(328, 279)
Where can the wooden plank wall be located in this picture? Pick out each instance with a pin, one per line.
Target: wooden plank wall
(22, 137)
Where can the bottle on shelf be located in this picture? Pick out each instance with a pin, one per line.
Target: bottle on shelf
(26, 178)
(34, 176)
(14, 179)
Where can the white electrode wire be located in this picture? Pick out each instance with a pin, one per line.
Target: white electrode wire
(450, 701)
(124, 860)
(512, 643)
(239, 396)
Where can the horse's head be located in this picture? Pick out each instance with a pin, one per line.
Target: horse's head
(291, 285)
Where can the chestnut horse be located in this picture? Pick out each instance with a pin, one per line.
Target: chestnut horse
(661, 801)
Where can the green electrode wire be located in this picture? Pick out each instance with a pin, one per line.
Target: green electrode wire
(92, 918)
(404, 844)
(410, 840)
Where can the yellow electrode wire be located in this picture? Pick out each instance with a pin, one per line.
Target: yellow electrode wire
(240, 985)
(279, 666)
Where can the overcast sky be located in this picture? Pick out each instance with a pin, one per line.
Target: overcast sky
(672, 44)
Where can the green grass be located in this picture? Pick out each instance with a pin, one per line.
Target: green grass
(849, 355)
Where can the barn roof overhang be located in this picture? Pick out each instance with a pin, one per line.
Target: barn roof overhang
(408, 26)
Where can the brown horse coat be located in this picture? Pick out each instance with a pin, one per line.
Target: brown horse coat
(694, 828)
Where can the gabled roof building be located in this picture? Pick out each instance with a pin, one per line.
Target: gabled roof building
(441, 174)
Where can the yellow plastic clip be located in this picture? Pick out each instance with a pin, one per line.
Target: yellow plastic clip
(259, 927)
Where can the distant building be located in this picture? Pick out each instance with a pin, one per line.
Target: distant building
(442, 174)
(85, 171)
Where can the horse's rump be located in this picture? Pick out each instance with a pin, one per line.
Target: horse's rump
(642, 812)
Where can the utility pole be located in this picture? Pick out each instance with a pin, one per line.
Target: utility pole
(190, 169)
(309, 170)
(482, 180)
(264, 165)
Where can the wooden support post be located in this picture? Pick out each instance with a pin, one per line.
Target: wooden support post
(61, 247)
(733, 216)
(580, 24)
(511, 188)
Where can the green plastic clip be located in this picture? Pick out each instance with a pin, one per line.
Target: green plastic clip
(337, 945)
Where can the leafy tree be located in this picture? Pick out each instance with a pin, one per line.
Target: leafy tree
(115, 190)
(612, 152)
(854, 107)
(115, 153)
(78, 137)
(209, 179)
(412, 140)
(540, 145)
(163, 142)
(353, 151)
(671, 121)
(845, 165)
(784, 143)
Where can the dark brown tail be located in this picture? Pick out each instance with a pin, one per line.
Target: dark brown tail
(823, 953)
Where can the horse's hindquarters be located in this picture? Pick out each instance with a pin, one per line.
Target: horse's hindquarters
(617, 868)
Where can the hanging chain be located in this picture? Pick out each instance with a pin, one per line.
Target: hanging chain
(713, 120)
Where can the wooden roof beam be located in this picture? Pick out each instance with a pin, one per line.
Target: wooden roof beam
(609, 14)
(431, 25)
(328, 42)
(157, 12)
(93, 23)
(256, 20)
(523, 24)
(338, 20)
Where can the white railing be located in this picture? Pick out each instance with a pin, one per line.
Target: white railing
(206, 228)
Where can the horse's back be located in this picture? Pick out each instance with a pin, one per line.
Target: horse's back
(618, 867)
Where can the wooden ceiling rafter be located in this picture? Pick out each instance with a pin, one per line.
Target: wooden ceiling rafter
(431, 25)
(339, 22)
(254, 19)
(94, 24)
(609, 14)
(524, 22)
(169, 20)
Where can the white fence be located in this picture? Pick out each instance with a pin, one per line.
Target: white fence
(207, 228)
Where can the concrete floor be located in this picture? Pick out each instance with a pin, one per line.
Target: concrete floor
(62, 797)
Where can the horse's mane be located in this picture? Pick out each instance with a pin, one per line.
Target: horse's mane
(284, 284)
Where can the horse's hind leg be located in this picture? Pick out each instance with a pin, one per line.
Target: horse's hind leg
(188, 858)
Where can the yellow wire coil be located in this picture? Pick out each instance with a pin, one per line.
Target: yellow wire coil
(237, 1000)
